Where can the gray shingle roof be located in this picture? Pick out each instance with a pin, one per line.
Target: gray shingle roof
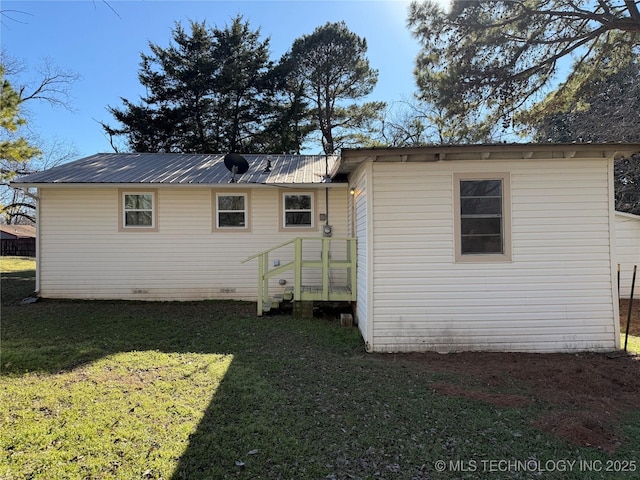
(184, 168)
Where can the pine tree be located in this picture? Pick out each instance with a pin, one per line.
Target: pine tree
(207, 92)
(15, 150)
(329, 67)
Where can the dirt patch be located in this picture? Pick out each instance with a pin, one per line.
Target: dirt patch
(586, 395)
(587, 428)
(498, 399)
(634, 325)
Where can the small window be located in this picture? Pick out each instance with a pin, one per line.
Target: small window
(138, 210)
(482, 218)
(298, 210)
(231, 211)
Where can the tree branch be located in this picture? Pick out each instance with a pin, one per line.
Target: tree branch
(110, 8)
(5, 171)
(633, 10)
(6, 14)
(562, 53)
(53, 88)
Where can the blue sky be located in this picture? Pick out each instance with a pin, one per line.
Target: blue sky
(104, 48)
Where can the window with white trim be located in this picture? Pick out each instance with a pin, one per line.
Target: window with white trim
(482, 217)
(231, 210)
(138, 210)
(297, 210)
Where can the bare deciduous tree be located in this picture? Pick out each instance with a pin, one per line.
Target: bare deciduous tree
(22, 151)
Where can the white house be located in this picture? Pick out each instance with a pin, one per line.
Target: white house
(491, 247)
(173, 226)
(628, 252)
(504, 247)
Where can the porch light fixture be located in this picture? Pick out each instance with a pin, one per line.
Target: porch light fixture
(352, 191)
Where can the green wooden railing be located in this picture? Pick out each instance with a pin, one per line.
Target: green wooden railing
(326, 290)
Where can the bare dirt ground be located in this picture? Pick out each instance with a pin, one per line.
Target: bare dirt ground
(634, 325)
(585, 395)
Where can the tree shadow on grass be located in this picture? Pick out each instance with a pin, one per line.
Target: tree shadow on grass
(52, 336)
(306, 402)
(285, 408)
(15, 286)
(300, 399)
(253, 422)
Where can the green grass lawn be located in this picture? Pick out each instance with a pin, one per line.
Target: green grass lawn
(17, 277)
(633, 343)
(205, 390)
(17, 264)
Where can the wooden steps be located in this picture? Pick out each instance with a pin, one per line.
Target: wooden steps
(288, 294)
(274, 303)
(344, 260)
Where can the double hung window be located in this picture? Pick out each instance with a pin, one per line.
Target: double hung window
(138, 210)
(297, 211)
(482, 217)
(231, 210)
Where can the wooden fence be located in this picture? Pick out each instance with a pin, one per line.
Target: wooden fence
(18, 247)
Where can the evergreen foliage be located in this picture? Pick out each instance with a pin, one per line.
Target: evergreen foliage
(216, 90)
(205, 92)
(15, 151)
(496, 58)
(330, 67)
(606, 108)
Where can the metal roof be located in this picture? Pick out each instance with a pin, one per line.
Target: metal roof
(185, 169)
(528, 152)
(208, 169)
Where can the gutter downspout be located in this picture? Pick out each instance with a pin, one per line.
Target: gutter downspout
(38, 244)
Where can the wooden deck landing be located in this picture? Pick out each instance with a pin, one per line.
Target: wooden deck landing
(337, 293)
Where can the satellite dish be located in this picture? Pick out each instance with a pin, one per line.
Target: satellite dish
(236, 164)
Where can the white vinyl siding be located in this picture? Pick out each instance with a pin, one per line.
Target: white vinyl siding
(360, 228)
(84, 255)
(555, 294)
(628, 252)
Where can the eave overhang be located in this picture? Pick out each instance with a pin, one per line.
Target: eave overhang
(351, 158)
